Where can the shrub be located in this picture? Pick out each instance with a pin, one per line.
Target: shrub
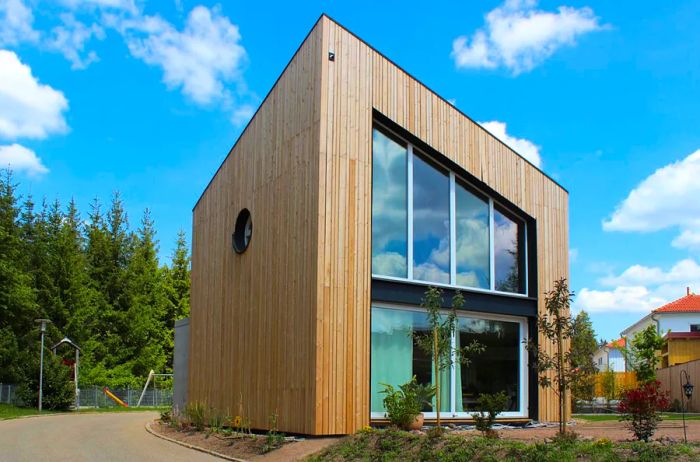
(402, 405)
(607, 382)
(640, 409)
(490, 405)
(58, 390)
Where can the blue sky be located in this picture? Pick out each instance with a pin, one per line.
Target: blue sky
(148, 97)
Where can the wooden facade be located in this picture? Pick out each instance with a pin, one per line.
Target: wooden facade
(285, 326)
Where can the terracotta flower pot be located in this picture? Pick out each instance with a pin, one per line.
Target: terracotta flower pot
(417, 423)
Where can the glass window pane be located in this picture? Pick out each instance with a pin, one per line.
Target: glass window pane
(431, 223)
(389, 207)
(507, 253)
(396, 357)
(472, 215)
(496, 369)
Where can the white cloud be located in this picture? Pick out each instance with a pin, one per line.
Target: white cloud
(242, 114)
(573, 255)
(123, 5)
(525, 148)
(27, 107)
(667, 198)
(518, 36)
(16, 23)
(640, 288)
(21, 159)
(70, 38)
(200, 59)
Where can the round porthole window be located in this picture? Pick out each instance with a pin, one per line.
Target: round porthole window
(243, 231)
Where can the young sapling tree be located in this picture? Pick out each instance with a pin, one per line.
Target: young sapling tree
(437, 341)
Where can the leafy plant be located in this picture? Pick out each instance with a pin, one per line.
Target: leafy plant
(583, 347)
(424, 392)
(166, 416)
(58, 390)
(490, 405)
(437, 342)
(640, 408)
(643, 353)
(196, 414)
(402, 404)
(557, 327)
(274, 439)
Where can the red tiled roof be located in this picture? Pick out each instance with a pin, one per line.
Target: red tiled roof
(619, 343)
(688, 304)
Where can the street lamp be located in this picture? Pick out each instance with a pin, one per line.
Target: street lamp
(43, 323)
(688, 393)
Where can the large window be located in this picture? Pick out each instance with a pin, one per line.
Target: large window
(501, 367)
(431, 222)
(428, 225)
(389, 206)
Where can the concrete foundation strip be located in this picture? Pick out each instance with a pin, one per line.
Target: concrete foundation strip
(191, 446)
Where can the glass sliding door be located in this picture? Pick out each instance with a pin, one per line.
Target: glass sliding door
(497, 369)
(395, 358)
(389, 207)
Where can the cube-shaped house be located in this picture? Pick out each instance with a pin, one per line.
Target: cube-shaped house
(351, 191)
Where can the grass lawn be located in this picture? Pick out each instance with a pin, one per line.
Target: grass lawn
(613, 417)
(389, 445)
(7, 411)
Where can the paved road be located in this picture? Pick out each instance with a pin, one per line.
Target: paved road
(89, 437)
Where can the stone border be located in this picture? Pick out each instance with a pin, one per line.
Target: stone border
(191, 446)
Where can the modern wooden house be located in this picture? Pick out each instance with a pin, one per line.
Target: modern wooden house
(352, 189)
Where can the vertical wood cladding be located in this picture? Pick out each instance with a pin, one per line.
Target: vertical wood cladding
(285, 326)
(253, 315)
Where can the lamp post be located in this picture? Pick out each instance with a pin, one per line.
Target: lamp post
(688, 393)
(43, 323)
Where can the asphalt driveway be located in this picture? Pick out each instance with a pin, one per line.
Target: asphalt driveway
(89, 437)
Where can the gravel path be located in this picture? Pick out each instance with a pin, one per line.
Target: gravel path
(89, 437)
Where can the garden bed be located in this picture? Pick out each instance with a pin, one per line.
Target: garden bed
(238, 445)
(390, 444)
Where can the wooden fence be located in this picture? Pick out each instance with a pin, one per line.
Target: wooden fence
(670, 378)
(623, 381)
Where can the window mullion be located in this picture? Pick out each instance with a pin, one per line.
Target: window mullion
(453, 375)
(492, 252)
(453, 231)
(409, 192)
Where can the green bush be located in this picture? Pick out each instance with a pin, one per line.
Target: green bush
(402, 405)
(58, 389)
(490, 405)
(196, 414)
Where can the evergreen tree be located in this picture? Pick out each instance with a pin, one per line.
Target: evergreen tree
(18, 307)
(177, 289)
(148, 336)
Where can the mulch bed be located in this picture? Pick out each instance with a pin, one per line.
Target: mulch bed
(248, 447)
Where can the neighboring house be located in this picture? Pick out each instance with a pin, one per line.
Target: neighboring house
(352, 190)
(679, 323)
(609, 357)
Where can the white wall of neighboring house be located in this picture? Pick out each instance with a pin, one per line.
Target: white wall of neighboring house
(677, 322)
(638, 327)
(609, 359)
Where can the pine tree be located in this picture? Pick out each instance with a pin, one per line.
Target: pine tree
(148, 336)
(177, 289)
(18, 307)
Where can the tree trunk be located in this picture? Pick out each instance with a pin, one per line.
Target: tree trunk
(562, 387)
(436, 358)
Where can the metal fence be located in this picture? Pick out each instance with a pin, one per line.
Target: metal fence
(8, 394)
(96, 398)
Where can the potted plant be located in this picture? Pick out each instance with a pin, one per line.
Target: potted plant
(404, 405)
(424, 393)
